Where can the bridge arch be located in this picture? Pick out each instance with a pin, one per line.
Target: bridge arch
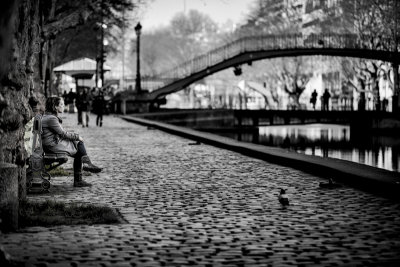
(253, 48)
(247, 57)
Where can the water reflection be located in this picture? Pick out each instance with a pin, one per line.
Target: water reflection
(334, 141)
(328, 140)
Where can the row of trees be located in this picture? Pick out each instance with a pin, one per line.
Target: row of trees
(363, 18)
(187, 35)
(191, 34)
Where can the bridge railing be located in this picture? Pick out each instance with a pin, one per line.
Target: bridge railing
(277, 42)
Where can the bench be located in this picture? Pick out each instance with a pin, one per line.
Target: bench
(41, 163)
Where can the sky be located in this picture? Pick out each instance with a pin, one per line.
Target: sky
(160, 12)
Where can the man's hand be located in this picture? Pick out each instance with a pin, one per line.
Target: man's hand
(80, 138)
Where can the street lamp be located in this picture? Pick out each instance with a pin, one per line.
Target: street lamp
(103, 53)
(138, 30)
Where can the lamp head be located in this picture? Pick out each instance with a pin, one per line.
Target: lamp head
(138, 28)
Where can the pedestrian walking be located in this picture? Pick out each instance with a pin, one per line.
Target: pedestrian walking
(325, 99)
(71, 96)
(98, 108)
(85, 108)
(78, 103)
(56, 140)
(65, 97)
(385, 103)
(313, 99)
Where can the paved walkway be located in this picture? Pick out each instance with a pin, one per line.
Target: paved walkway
(200, 205)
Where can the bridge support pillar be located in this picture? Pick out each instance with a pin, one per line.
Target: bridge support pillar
(255, 121)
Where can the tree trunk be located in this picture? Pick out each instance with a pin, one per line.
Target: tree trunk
(18, 55)
(42, 66)
(46, 53)
(377, 96)
(9, 196)
(50, 66)
(396, 98)
(294, 100)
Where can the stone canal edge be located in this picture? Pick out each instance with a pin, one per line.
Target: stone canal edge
(374, 180)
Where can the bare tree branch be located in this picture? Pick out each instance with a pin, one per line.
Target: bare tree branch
(72, 20)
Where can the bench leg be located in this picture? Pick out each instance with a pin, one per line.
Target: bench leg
(38, 181)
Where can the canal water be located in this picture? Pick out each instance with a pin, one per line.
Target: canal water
(329, 140)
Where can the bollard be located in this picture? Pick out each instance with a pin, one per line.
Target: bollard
(8, 197)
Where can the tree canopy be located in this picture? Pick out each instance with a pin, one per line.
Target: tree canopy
(186, 36)
(59, 15)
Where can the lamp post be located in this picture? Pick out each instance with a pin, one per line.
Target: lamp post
(138, 30)
(103, 53)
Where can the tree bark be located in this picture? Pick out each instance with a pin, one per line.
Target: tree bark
(49, 71)
(8, 14)
(8, 197)
(17, 83)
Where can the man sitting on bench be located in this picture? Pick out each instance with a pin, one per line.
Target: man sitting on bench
(56, 140)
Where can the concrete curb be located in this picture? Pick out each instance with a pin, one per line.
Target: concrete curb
(378, 181)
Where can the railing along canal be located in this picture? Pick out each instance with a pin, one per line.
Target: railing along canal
(276, 42)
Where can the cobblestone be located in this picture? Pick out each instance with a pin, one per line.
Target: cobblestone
(200, 205)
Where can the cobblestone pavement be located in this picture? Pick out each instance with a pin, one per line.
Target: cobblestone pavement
(199, 205)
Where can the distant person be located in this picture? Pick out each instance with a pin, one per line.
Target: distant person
(56, 140)
(325, 99)
(98, 108)
(85, 107)
(78, 104)
(64, 96)
(313, 99)
(91, 96)
(361, 102)
(71, 96)
(385, 103)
